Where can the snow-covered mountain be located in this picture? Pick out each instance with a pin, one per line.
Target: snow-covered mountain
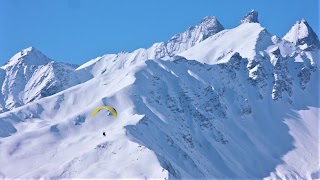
(30, 75)
(239, 103)
(248, 39)
(302, 35)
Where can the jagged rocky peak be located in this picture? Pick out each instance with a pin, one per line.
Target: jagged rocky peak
(210, 25)
(28, 56)
(207, 27)
(251, 17)
(302, 35)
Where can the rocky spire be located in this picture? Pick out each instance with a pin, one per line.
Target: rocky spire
(251, 17)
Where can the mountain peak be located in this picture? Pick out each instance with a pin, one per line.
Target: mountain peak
(208, 19)
(210, 25)
(302, 35)
(27, 50)
(251, 17)
(207, 27)
(29, 56)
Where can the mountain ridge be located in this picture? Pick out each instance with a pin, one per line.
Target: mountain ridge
(32, 59)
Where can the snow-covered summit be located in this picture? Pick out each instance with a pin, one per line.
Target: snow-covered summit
(30, 75)
(302, 35)
(251, 17)
(28, 56)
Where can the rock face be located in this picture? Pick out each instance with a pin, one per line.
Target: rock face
(251, 17)
(303, 36)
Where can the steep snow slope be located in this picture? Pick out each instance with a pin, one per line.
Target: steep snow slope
(182, 118)
(30, 75)
(67, 142)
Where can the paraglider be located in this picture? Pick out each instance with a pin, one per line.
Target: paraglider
(111, 109)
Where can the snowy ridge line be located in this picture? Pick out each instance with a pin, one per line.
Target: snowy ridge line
(29, 75)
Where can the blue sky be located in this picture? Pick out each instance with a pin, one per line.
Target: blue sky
(76, 31)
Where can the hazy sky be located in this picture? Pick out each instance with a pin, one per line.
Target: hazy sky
(76, 31)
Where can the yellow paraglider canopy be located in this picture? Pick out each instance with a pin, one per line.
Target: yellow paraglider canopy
(111, 109)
